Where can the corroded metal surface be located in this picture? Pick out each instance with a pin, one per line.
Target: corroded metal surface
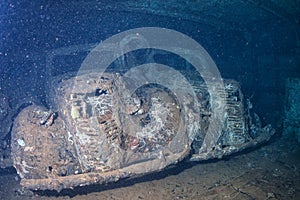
(98, 132)
(94, 131)
(40, 151)
(242, 128)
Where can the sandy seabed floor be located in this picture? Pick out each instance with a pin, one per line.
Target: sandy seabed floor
(269, 172)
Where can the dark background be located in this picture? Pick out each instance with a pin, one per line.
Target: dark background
(254, 42)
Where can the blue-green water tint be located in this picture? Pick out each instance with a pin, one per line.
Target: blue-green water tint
(30, 29)
(261, 54)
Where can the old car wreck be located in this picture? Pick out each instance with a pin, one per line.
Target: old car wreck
(94, 131)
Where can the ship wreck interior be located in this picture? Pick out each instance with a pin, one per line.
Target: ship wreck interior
(255, 46)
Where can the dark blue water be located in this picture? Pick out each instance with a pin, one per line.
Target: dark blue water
(30, 29)
(260, 55)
